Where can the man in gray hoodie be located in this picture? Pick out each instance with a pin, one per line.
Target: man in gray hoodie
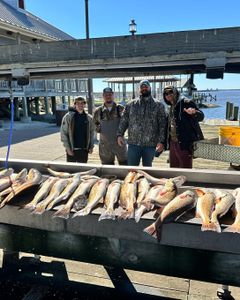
(77, 132)
(145, 119)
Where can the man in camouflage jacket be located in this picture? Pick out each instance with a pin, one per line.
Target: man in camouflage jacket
(145, 119)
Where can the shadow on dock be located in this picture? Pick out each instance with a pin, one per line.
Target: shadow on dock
(30, 278)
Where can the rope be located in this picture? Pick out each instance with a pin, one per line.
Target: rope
(11, 126)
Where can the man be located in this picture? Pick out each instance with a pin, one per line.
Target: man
(183, 128)
(145, 120)
(106, 119)
(77, 132)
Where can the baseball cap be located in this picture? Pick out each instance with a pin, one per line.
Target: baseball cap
(107, 90)
(144, 82)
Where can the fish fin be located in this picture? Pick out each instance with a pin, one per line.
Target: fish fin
(233, 228)
(83, 212)
(139, 212)
(211, 227)
(128, 214)
(197, 215)
(199, 192)
(107, 215)
(62, 213)
(151, 230)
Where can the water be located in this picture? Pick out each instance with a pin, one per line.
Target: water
(222, 96)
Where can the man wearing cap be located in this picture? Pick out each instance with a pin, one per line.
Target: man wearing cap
(77, 132)
(145, 119)
(183, 127)
(106, 119)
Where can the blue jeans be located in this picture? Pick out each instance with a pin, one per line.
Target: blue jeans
(135, 153)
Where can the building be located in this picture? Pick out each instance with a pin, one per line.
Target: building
(39, 97)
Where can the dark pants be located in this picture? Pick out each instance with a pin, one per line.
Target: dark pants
(135, 153)
(180, 158)
(80, 155)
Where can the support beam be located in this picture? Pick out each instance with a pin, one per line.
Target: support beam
(164, 53)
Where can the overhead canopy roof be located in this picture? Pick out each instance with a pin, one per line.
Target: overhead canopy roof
(157, 78)
(21, 19)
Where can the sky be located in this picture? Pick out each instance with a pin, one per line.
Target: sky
(112, 17)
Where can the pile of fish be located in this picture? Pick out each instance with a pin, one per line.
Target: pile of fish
(137, 194)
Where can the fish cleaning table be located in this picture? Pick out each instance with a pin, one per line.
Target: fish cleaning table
(184, 251)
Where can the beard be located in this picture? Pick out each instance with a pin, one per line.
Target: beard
(146, 93)
(109, 101)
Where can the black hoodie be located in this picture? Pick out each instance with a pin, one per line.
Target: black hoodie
(187, 126)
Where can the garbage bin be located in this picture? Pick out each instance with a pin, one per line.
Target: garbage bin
(61, 110)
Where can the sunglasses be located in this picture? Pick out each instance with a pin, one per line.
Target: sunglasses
(169, 93)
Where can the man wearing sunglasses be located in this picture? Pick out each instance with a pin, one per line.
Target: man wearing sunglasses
(183, 127)
(145, 119)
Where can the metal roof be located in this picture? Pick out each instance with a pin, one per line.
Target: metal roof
(24, 20)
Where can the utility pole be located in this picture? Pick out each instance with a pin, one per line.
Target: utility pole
(89, 81)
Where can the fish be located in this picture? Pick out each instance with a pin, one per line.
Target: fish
(67, 192)
(78, 195)
(12, 181)
(161, 196)
(86, 177)
(97, 193)
(68, 175)
(171, 211)
(42, 192)
(111, 198)
(205, 206)
(6, 172)
(179, 180)
(55, 191)
(235, 227)
(223, 203)
(128, 194)
(146, 204)
(34, 177)
(142, 190)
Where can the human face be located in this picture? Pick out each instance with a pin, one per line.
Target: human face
(80, 105)
(108, 98)
(169, 96)
(145, 90)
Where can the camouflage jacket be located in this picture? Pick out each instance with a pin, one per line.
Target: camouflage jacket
(145, 119)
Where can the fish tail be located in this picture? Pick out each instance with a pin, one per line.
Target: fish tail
(83, 212)
(151, 230)
(211, 226)
(235, 228)
(108, 214)
(30, 206)
(62, 213)
(39, 209)
(139, 212)
(128, 214)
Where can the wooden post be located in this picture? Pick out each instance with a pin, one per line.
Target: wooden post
(53, 99)
(36, 100)
(229, 110)
(235, 113)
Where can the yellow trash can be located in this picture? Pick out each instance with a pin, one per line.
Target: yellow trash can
(229, 135)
